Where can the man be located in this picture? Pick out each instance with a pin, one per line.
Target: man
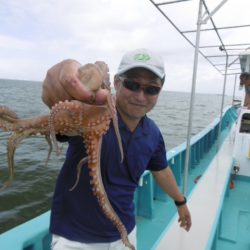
(245, 81)
(76, 218)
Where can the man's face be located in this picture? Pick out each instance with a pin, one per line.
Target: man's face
(247, 82)
(242, 80)
(135, 104)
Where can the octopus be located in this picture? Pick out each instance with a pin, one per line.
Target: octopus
(71, 118)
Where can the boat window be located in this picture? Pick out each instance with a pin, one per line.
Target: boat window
(245, 124)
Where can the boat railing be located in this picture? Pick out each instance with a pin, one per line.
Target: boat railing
(31, 235)
(201, 144)
(205, 203)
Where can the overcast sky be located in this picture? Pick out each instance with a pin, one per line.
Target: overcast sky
(34, 35)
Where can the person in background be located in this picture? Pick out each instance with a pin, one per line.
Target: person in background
(77, 222)
(245, 82)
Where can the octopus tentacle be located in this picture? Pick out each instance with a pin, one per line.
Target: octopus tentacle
(67, 117)
(82, 162)
(98, 188)
(13, 143)
(7, 118)
(21, 129)
(111, 106)
(52, 129)
(47, 137)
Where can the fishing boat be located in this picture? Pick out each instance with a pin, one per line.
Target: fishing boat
(212, 168)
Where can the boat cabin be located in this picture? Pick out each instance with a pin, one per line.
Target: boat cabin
(241, 152)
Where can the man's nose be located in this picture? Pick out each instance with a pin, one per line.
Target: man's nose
(140, 94)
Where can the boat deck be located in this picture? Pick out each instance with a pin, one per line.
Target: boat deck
(234, 228)
(205, 204)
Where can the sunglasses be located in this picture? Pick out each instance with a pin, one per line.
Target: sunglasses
(136, 87)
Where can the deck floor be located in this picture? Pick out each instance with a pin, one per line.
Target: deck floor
(234, 233)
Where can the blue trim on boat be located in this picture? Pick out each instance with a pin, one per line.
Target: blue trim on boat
(242, 178)
(32, 234)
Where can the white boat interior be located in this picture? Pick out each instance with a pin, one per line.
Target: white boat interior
(206, 201)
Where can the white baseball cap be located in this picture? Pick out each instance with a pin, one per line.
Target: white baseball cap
(142, 58)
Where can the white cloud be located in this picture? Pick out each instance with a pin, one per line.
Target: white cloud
(38, 34)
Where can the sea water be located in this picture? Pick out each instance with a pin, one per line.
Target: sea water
(30, 193)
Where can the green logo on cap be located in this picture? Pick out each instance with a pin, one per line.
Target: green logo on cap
(142, 57)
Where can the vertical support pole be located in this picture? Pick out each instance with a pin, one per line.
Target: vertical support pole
(235, 81)
(197, 44)
(222, 104)
(247, 69)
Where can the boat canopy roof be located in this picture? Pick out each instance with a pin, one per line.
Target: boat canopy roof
(225, 29)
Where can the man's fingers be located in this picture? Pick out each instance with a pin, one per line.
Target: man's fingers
(62, 82)
(185, 223)
(101, 96)
(76, 89)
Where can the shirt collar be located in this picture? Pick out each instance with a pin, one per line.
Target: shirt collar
(141, 129)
